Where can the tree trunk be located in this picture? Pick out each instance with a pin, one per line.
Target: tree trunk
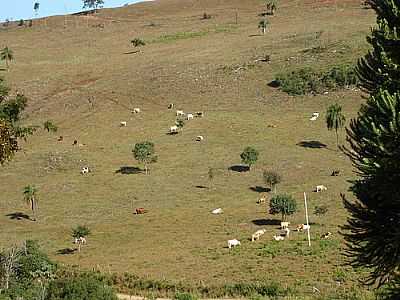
(263, 30)
(145, 168)
(33, 207)
(79, 246)
(337, 139)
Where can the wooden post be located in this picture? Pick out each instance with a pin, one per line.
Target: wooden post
(308, 226)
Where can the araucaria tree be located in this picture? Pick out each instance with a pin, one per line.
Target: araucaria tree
(7, 55)
(374, 136)
(249, 156)
(144, 152)
(335, 119)
(30, 197)
(93, 4)
(282, 204)
(272, 179)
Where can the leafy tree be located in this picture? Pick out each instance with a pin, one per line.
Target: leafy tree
(7, 55)
(263, 26)
(93, 4)
(249, 156)
(30, 197)
(87, 286)
(36, 7)
(144, 152)
(80, 231)
(379, 68)
(335, 119)
(282, 204)
(50, 126)
(180, 123)
(136, 42)
(320, 210)
(272, 179)
(374, 138)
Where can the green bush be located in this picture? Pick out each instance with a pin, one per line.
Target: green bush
(305, 81)
(185, 296)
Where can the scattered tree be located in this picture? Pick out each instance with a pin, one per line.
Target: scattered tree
(79, 232)
(7, 55)
(93, 4)
(263, 26)
(335, 119)
(36, 8)
(144, 152)
(320, 210)
(50, 126)
(282, 204)
(249, 156)
(374, 151)
(180, 123)
(272, 179)
(30, 198)
(136, 42)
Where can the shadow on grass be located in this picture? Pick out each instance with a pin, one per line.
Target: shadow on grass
(239, 168)
(311, 144)
(253, 35)
(274, 84)
(259, 189)
(18, 216)
(132, 52)
(264, 222)
(172, 133)
(201, 187)
(126, 170)
(66, 251)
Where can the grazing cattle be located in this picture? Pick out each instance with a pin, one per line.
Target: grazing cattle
(60, 138)
(199, 114)
(302, 227)
(217, 211)
(170, 106)
(271, 126)
(233, 243)
(81, 240)
(180, 113)
(85, 170)
(189, 117)
(122, 124)
(320, 188)
(136, 110)
(326, 235)
(314, 116)
(199, 138)
(173, 129)
(335, 173)
(140, 211)
(285, 232)
(278, 238)
(256, 235)
(285, 225)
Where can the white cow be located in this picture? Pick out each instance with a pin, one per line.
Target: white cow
(199, 138)
(233, 243)
(302, 227)
(136, 110)
(314, 116)
(180, 113)
(285, 225)
(321, 188)
(189, 117)
(217, 211)
(326, 235)
(256, 235)
(85, 170)
(173, 129)
(122, 124)
(278, 238)
(286, 232)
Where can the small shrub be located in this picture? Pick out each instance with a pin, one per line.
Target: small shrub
(136, 42)
(320, 210)
(185, 296)
(21, 22)
(206, 16)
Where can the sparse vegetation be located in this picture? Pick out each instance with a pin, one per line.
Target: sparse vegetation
(320, 210)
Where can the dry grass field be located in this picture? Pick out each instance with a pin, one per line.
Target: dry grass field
(199, 65)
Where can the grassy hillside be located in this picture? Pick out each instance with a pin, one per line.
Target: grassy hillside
(199, 65)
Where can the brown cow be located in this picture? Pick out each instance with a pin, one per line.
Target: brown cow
(140, 211)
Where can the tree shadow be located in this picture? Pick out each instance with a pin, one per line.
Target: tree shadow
(259, 189)
(239, 168)
(132, 52)
(18, 216)
(264, 222)
(253, 35)
(172, 133)
(274, 84)
(84, 13)
(311, 144)
(201, 186)
(126, 170)
(66, 251)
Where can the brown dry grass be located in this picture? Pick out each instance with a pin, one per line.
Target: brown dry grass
(187, 61)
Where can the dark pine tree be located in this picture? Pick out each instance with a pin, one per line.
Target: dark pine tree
(373, 232)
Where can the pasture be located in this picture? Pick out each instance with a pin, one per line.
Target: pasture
(199, 65)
